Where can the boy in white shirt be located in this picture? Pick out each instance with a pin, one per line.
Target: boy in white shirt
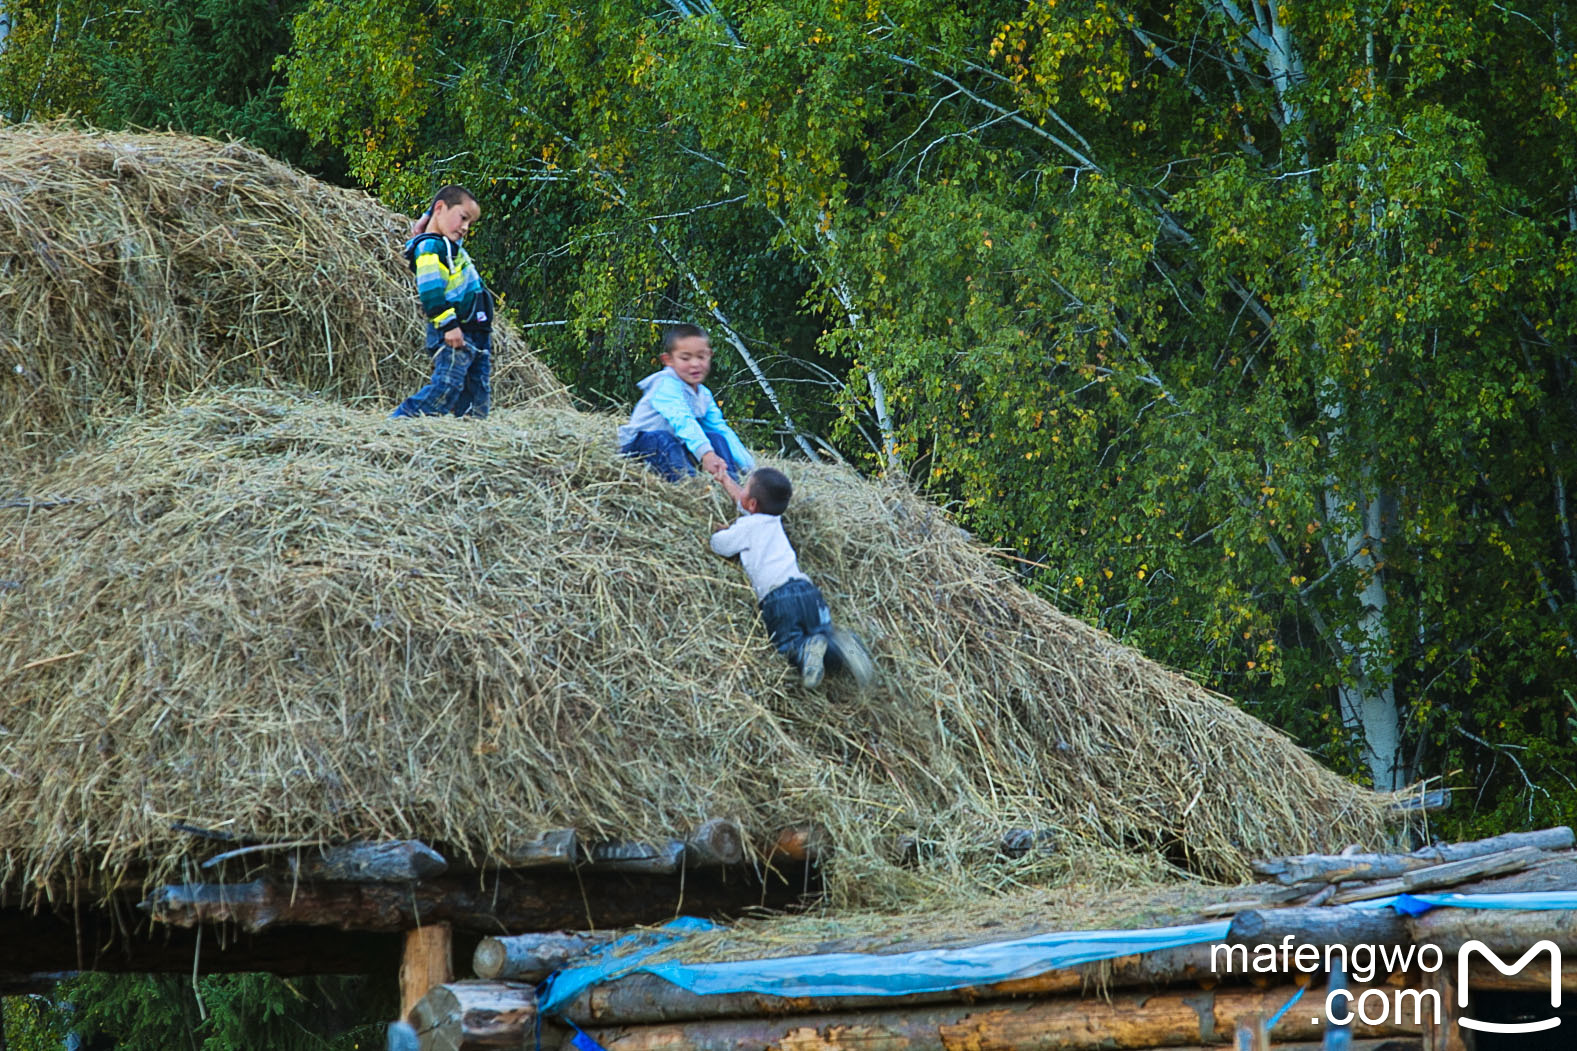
(792, 608)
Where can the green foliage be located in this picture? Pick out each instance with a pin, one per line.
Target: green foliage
(206, 68)
(228, 1012)
(31, 1023)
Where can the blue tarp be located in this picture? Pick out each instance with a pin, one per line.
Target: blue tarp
(892, 974)
(938, 970)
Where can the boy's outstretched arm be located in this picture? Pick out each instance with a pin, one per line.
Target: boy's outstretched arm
(735, 491)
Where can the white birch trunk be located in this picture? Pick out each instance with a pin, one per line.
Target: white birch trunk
(1367, 699)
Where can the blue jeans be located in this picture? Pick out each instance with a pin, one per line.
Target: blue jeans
(793, 612)
(668, 456)
(462, 379)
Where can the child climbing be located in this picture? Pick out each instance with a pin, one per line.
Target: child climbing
(795, 614)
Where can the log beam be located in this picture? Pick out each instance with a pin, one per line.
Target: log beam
(532, 957)
(1504, 930)
(659, 858)
(1067, 1024)
(718, 842)
(1335, 868)
(475, 1016)
(404, 861)
(557, 848)
(506, 901)
(1319, 927)
(642, 998)
(1445, 875)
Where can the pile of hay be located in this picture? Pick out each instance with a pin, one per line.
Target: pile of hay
(275, 615)
(137, 268)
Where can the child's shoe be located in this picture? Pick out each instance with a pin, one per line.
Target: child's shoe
(812, 661)
(856, 658)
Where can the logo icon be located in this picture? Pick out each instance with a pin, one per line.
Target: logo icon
(1466, 952)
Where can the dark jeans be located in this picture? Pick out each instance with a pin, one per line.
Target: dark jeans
(461, 384)
(793, 612)
(668, 456)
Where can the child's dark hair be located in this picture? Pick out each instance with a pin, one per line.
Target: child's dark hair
(452, 195)
(674, 333)
(771, 489)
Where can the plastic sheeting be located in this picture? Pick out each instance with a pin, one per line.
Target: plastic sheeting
(892, 974)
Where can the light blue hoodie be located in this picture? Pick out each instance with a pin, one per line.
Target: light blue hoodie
(669, 404)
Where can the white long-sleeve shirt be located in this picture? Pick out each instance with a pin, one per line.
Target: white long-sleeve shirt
(763, 549)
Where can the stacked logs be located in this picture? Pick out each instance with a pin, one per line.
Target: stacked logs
(1174, 998)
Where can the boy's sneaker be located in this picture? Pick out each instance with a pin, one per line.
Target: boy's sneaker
(856, 658)
(812, 661)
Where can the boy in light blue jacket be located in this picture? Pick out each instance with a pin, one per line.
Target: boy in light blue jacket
(677, 425)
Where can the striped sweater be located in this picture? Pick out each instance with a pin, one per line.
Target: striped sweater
(451, 290)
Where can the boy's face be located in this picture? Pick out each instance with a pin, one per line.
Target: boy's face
(691, 359)
(454, 220)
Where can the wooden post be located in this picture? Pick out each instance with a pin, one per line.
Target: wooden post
(1337, 1037)
(1445, 1034)
(425, 965)
(1251, 1035)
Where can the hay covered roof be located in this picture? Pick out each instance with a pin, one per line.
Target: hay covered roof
(270, 611)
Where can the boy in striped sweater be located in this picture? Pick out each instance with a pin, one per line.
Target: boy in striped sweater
(459, 310)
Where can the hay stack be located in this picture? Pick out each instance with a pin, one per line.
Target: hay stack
(276, 615)
(137, 268)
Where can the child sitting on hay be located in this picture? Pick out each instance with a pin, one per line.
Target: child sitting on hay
(459, 310)
(677, 423)
(792, 607)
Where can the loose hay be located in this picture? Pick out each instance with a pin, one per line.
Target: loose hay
(139, 268)
(273, 614)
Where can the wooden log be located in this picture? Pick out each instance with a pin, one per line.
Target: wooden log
(404, 861)
(1384, 1043)
(1335, 868)
(558, 848)
(532, 957)
(1067, 1024)
(1534, 978)
(1318, 927)
(640, 998)
(426, 963)
(799, 843)
(663, 857)
(589, 898)
(1446, 875)
(475, 1016)
(1259, 896)
(716, 843)
(1504, 930)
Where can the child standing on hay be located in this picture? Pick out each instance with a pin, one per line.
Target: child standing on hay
(677, 424)
(459, 310)
(792, 607)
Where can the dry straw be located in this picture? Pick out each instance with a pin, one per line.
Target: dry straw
(134, 268)
(272, 614)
